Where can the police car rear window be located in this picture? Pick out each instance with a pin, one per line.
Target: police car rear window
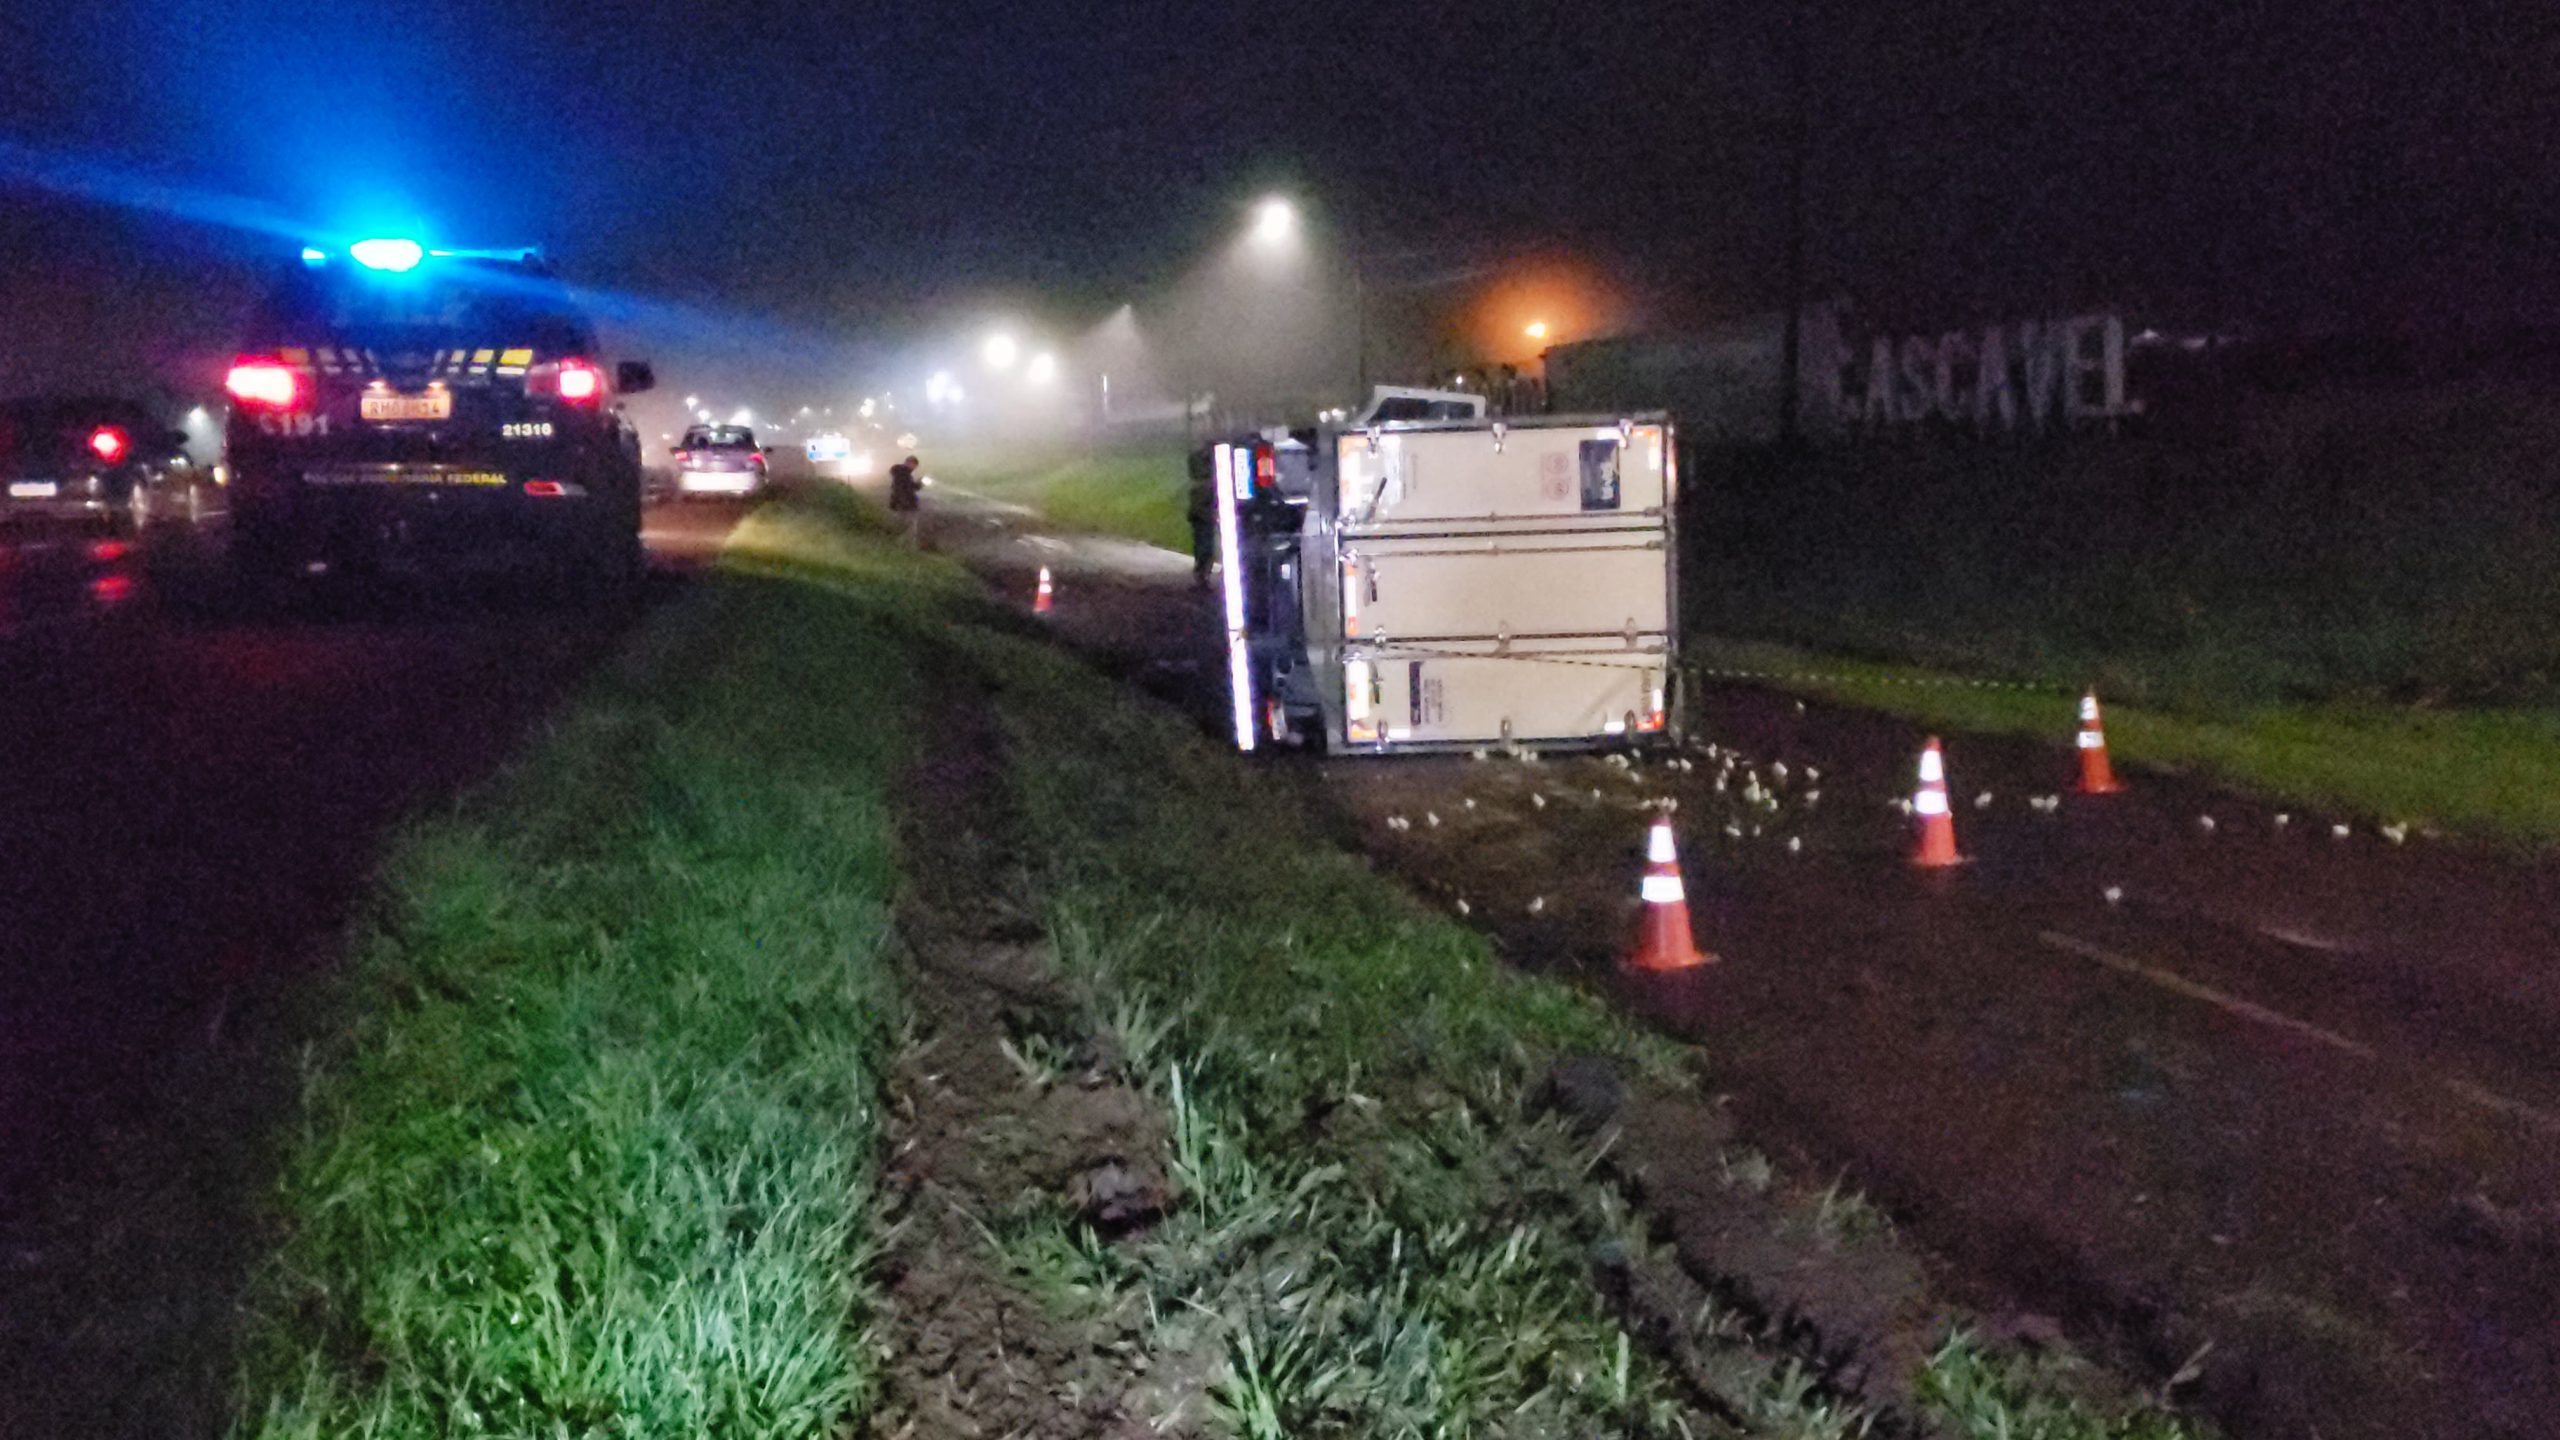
(460, 300)
(714, 437)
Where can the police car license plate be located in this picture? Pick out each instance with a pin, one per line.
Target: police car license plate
(32, 490)
(434, 405)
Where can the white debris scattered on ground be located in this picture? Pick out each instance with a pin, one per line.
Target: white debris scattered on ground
(1538, 905)
(2340, 832)
(2115, 894)
(2395, 833)
(1795, 844)
(2205, 824)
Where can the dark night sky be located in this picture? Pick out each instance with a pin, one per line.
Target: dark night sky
(822, 172)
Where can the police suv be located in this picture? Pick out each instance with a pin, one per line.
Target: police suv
(398, 406)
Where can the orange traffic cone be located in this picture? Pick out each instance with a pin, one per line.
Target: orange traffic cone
(1937, 821)
(1664, 941)
(1040, 601)
(2097, 777)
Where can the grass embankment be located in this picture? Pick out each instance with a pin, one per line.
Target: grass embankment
(1378, 1235)
(2342, 599)
(589, 1146)
(2491, 774)
(1137, 488)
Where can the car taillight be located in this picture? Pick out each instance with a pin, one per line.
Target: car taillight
(263, 384)
(580, 382)
(682, 456)
(107, 443)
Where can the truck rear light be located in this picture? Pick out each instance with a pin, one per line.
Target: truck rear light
(107, 443)
(580, 382)
(544, 489)
(263, 384)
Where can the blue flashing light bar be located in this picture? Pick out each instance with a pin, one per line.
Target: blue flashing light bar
(399, 257)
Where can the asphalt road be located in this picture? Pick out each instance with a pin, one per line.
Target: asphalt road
(2172, 1066)
(195, 790)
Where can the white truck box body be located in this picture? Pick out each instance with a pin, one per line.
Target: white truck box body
(1494, 583)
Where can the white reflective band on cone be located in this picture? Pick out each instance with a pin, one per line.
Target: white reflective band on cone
(2088, 709)
(1930, 802)
(2092, 740)
(1662, 890)
(1657, 846)
(1933, 769)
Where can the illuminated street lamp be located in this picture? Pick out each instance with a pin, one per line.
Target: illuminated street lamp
(693, 402)
(1043, 369)
(1275, 223)
(1000, 351)
(1537, 330)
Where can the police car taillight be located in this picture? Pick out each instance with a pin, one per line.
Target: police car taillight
(580, 382)
(263, 384)
(108, 443)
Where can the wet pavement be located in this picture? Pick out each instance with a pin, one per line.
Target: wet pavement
(2179, 1068)
(196, 789)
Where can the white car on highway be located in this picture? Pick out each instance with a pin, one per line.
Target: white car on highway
(720, 460)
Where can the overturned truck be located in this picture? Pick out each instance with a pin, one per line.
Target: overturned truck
(1425, 578)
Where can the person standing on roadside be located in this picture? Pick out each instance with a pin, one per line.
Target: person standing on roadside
(1203, 514)
(906, 500)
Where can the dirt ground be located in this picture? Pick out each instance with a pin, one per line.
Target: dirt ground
(2227, 1107)
(2178, 1074)
(979, 1135)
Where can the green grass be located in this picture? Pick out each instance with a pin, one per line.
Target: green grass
(2379, 544)
(2340, 597)
(589, 1145)
(1378, 1237)
(2483, 773)
(1138, 489)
